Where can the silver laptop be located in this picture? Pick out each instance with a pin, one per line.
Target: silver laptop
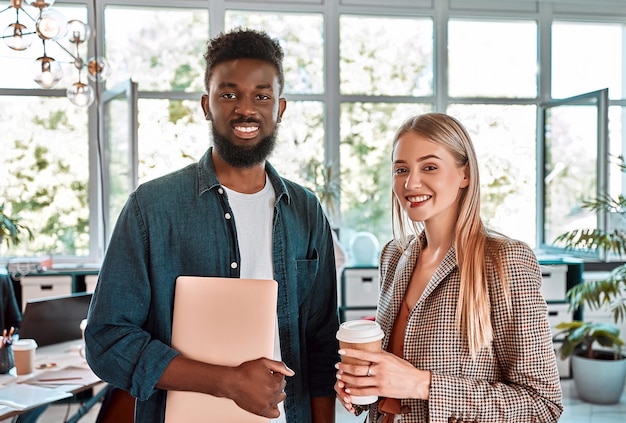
(222, 321)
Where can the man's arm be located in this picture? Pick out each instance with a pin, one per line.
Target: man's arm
(256, 386)
(323, 409)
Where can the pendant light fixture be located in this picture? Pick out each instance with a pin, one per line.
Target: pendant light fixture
(51, 26)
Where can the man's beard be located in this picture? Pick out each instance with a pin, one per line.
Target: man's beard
(243, 157)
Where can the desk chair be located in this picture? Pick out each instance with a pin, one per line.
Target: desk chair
(10, 312)
(117, 406)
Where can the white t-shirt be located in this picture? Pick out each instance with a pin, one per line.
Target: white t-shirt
(254, 215)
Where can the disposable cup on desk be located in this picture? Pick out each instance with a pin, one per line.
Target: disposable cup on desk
(24, 355)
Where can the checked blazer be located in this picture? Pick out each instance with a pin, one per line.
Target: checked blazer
(516, 380)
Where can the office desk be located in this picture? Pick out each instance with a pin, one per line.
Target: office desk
(63, 355)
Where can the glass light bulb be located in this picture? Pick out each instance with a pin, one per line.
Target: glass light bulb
(98, 69)
(51, 25)
(81, 95)
(47, 72)
(77, 31)
(17, 37)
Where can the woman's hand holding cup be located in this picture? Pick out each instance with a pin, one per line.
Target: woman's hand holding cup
(361, 336)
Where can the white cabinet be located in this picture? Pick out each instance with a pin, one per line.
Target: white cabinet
(558, 275)
(34, 287)
(358, 293)
(554, 282)
(90, 282)
(557, 313)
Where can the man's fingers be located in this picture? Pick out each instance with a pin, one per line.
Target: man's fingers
(280, 367)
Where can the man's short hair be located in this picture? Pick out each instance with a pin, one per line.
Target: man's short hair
(244, 44)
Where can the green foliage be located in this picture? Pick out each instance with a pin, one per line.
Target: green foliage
(607, 292)
(56, 119)
(10, 228)
(593, 239)
(178, 111)
(321, 181)
(580, 337)
(184, 77)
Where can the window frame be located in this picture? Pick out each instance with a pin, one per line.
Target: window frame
(543, 11)
(598, 98)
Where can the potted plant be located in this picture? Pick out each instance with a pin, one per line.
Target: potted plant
(598, 364)
(611, 291)
(11, 228)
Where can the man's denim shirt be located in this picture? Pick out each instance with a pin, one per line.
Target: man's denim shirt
(182, 224)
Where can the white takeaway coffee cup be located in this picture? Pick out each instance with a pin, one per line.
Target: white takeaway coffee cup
(365, 335)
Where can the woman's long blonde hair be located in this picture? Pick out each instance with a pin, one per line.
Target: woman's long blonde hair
(472, 244)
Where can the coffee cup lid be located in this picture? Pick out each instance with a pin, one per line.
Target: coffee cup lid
(357, 331)
(24, 344)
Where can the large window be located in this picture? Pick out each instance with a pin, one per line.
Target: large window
(492, 71)
(39, 181)
(161, 50)
(386, 75)
(590, 56)
(572, 141)
(353, 73)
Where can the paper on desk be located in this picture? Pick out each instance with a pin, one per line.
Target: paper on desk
(22, 396)
(70, 375)
(8, 378)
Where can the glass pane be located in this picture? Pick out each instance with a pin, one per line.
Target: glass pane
(587, 57)
(570, 134)
(160, 48)
(367, 131)
(386, 56)
(172, 134)
(17, 68)
(119, 159)
(300, 139)
(302, 39)
(39, 180)
(504, 139)
(617, 140)
(299, 153)
(492, 59)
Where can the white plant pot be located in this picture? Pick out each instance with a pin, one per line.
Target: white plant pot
(599, 381)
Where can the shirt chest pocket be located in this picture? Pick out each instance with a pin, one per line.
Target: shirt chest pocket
(306, 274)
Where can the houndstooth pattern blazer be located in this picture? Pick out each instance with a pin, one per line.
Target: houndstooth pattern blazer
(514, 381)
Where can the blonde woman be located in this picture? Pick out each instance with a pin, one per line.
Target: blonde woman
(466, 332)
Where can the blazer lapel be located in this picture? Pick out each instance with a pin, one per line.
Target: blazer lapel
(447, 265)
